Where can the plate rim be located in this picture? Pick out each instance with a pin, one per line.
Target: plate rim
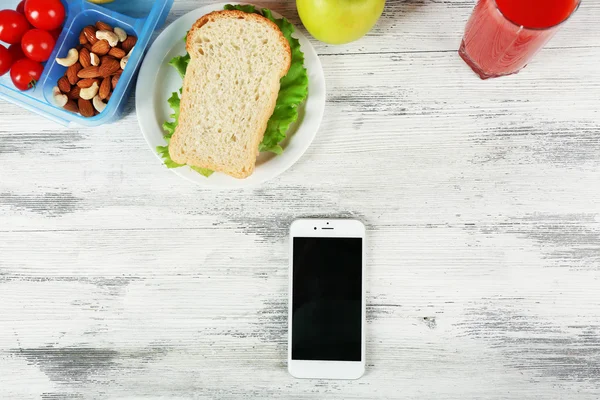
(143, 102)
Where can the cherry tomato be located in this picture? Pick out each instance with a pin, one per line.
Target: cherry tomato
(37, 45)
(45, 14)
(25, 73)
(12, 26)
(6, 60)
(16, 52)
(21, 7)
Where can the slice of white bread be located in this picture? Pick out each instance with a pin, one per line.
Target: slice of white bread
(229, 91)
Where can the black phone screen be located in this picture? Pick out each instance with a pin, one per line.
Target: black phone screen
(327, 299)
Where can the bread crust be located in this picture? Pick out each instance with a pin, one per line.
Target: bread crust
(265, 115)
(237, 14)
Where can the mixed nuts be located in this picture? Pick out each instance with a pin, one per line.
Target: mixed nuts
(93, 69)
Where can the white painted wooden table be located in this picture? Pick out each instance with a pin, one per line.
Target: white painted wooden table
(119, 280)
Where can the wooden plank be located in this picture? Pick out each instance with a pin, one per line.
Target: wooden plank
(444, 128)
(428, 25)
(198, 318)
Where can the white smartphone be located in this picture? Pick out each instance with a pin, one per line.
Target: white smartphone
(327, 299)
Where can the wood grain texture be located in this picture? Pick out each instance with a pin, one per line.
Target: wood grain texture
(119, 280)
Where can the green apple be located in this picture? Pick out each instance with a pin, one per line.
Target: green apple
(339, 21)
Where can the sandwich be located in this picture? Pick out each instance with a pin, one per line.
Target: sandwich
(243, 80)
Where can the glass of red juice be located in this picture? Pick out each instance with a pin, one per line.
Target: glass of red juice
(502, 36)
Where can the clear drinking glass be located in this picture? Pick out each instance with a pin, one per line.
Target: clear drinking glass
(502, 36)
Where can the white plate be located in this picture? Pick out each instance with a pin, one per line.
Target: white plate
(158, 80)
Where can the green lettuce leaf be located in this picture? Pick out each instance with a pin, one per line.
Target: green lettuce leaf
(169, 127)
(180, 63)
(203, 171)
(293, 91)
(247, 8)
(169, 163)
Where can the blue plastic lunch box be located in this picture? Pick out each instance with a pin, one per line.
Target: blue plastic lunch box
(138, 17)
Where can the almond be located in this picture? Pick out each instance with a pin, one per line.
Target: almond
(86, 108)
(117, 53)
(108, 97)
(86, 83)
(90, 34)
(74, 93)
(103, 26)
(85, 58)
(64, 85)
(105, 88)
(89, 72)
(115, 80)
(88, 46)
(82, 38)
(71, 106)
(128, 44)
(73, 72)
(109, 66)
(101, 47)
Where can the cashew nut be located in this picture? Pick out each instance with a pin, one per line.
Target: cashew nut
(109, 36)
(89, 93)
(125, 59)
(60, 98)
(121, 34)
(94, 59)
(99, 105)
(71, 58)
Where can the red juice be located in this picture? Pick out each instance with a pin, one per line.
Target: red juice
(502, 36)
